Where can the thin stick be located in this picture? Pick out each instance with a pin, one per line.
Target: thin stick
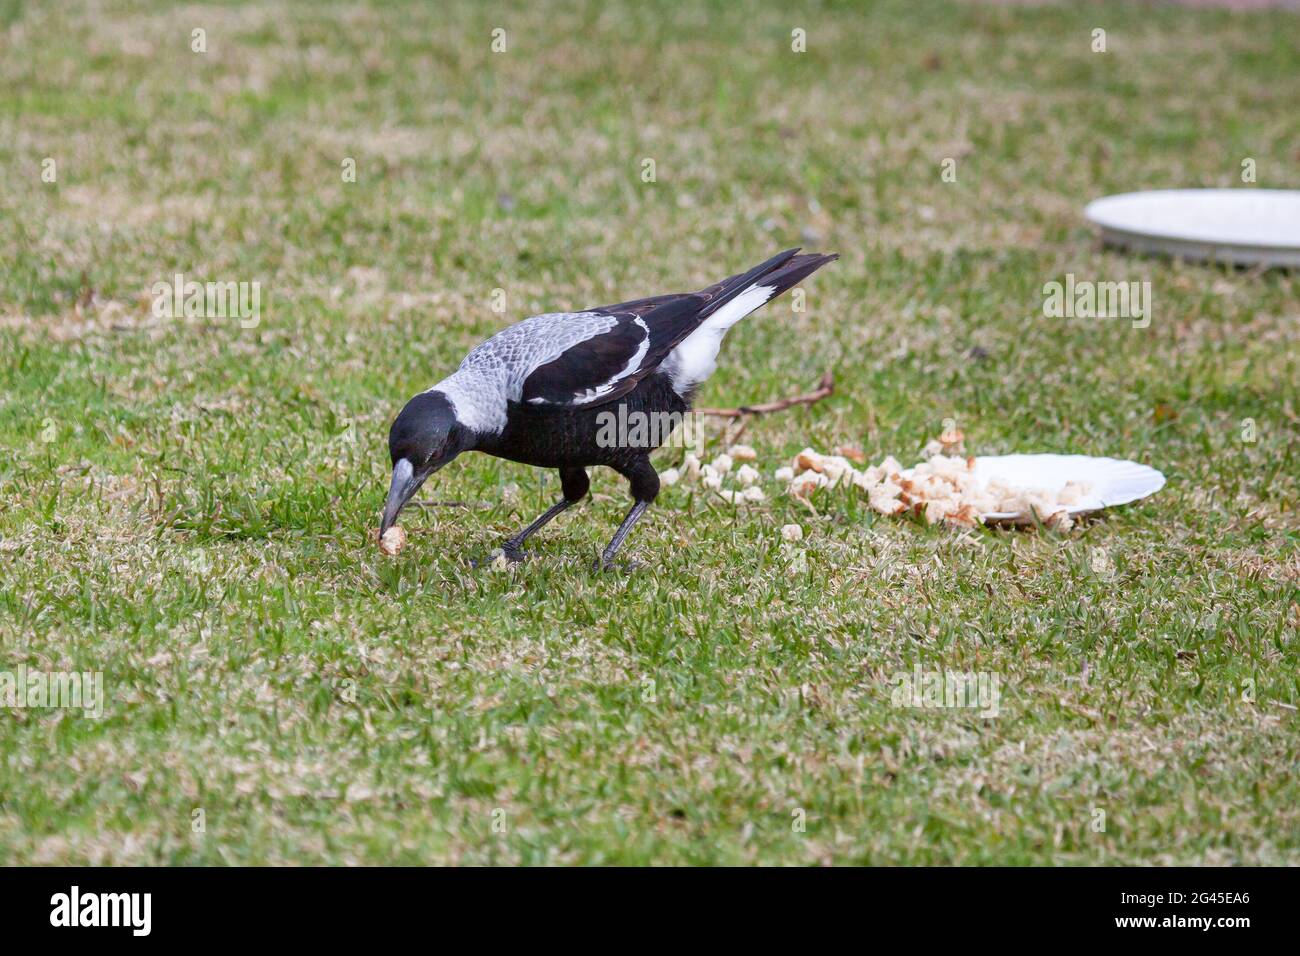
(474, 505)
(824, 388)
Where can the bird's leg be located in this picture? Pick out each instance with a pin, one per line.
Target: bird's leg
(514, 547)
(574, 483)
(606, 558)
(645, 487)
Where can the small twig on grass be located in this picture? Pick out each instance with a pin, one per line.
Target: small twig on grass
(740, 424)
(824, 388)
(473, 505)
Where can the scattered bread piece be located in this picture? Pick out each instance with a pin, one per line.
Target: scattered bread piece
(802, 485)
(791, 532)
(751, 494)
(936, 509)
(1073, 493)
(807, 460)
(963, 517)
(1059, 521)
(942, 488)
(393, 541)
(886, 504)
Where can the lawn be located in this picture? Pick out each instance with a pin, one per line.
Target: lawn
(186, 504)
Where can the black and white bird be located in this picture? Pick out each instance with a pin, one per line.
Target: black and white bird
(534, 392)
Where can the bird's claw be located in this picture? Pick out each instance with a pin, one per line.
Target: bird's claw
(607, 563)
(511, 553)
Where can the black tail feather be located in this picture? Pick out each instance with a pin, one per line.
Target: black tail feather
(783, 270)
(794, 271)
(723, 292)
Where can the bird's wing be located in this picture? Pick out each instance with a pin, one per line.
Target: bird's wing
(642, 333)
(609, 363)
(573, 359)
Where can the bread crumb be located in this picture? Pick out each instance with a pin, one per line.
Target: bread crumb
(393, 541)
(941, 488)
(953, 442)
(807, 460)
(803, 484)
(791, 532)
(1059, 521)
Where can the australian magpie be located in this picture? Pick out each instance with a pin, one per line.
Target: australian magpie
(533, 393)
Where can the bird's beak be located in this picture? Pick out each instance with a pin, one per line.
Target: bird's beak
(405, 483)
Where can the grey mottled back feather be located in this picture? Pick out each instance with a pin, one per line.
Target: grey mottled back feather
(496, 369)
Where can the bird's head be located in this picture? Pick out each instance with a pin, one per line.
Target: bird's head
(424, 437)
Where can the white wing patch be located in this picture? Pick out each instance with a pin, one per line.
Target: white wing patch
(696, 357)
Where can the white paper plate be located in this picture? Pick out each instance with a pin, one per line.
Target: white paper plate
(1240, 226)
(1112, 480)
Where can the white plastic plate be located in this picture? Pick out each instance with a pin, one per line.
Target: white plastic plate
(1239, 226)
(1112, 480)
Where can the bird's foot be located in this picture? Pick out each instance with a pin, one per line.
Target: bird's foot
(510, 553)
(608, 563)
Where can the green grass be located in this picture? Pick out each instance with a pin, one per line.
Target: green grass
(197, 529)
